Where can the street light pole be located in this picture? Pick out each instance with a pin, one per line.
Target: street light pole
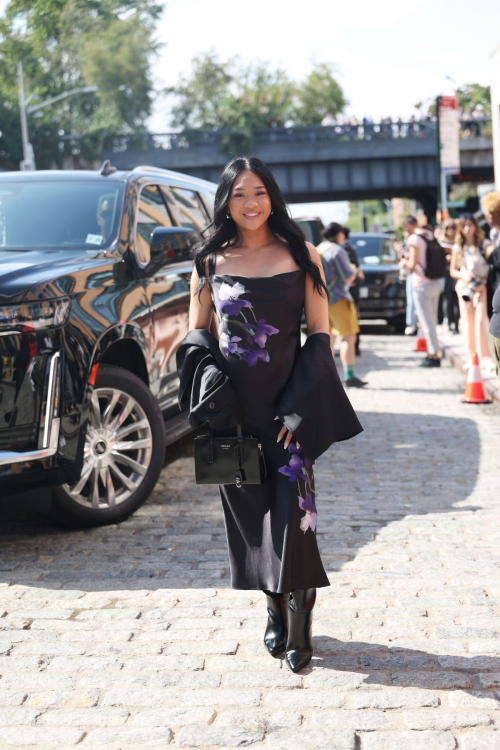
(28, 162)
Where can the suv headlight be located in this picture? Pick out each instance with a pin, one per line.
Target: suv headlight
(24, 317)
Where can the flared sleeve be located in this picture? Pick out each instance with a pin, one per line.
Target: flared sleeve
(314, 405)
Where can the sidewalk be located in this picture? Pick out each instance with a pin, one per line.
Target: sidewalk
(129, 636)
(455, 350)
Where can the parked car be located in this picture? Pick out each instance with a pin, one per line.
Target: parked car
(94, 298)
(312, 226)
(382, 296)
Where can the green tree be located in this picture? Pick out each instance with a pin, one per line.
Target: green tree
(202, 99)
(319, 95)
(473, 95)
(469, 96)
(230, 96)
(66, 44)
(374, 212)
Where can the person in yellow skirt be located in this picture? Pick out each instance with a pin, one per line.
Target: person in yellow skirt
(341, 309)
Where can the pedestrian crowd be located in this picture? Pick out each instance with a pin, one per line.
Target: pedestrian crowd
(472, 121)
(452, 276)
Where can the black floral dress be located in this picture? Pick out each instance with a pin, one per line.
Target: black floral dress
(271, 528)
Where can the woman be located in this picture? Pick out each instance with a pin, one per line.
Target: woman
(261, 276)
(470, 269)
(447, 240)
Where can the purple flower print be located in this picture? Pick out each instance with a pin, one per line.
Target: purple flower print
(294, 449)
(298, 468)
(229, 344)
(262, 331)
(308, 521)
(307, 503)
(252, 356)
(229, 304)
(294, 469)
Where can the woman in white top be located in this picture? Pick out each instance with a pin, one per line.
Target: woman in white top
(470, 268)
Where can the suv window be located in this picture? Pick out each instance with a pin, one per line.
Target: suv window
(190, 210)
(152, 213)
(66, 215)
(389, 254)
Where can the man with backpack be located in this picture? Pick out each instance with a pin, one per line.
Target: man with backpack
(427, 263)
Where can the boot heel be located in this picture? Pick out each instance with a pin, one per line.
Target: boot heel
(276, 633)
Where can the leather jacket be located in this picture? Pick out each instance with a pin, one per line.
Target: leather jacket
(204, 387)
(314, 405)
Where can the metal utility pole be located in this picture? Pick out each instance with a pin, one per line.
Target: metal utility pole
(361, 210)
(28, 162)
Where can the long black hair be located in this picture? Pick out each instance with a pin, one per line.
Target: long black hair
(223, 231)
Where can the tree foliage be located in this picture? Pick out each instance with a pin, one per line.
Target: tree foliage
(65, 44)
(319, 95)
(230, 96)
(469, 96)
(474, 95)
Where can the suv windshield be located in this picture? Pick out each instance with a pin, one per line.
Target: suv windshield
(373, 251)
(62, 214)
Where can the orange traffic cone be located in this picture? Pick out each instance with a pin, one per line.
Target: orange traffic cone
(421, 340)
(474, 391)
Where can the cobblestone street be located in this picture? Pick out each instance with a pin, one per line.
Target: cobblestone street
(129, 636)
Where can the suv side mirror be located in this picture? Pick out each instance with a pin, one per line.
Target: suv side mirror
(172, 244)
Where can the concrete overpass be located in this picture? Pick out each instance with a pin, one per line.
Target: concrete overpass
(321, 163)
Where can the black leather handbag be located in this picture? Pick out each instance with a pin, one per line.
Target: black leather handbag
(235, 460)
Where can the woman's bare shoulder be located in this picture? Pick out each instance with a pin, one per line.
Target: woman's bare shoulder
(313, 252)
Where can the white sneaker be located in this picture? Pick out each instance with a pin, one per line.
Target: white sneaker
(410, 330)
(488, 365)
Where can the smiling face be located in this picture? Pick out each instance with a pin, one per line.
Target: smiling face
(469, 231)
(249, 203)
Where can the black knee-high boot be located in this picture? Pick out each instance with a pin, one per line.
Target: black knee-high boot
(299, 649)
(276, 630)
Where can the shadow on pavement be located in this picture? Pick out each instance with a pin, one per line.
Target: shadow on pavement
(174, 540)
(399, 666)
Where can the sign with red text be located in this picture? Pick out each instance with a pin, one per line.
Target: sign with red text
(449, 135)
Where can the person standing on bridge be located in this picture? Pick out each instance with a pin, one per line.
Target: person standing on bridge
(340, 275)
(257, 274)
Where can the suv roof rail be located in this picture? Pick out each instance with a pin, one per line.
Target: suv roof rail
(145, 168)
(106, 168)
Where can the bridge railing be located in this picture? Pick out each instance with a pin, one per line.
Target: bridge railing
(293, 135)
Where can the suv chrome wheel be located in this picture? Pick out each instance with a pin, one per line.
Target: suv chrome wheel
(117, 453)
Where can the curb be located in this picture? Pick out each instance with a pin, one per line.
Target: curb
(458, 363)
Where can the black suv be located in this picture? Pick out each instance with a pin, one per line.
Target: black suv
(94, 299)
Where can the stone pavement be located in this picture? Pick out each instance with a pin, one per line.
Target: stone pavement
(129, 637)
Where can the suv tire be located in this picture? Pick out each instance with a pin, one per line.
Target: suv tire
(123, 455)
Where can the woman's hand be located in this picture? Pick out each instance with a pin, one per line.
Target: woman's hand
(289, 436)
